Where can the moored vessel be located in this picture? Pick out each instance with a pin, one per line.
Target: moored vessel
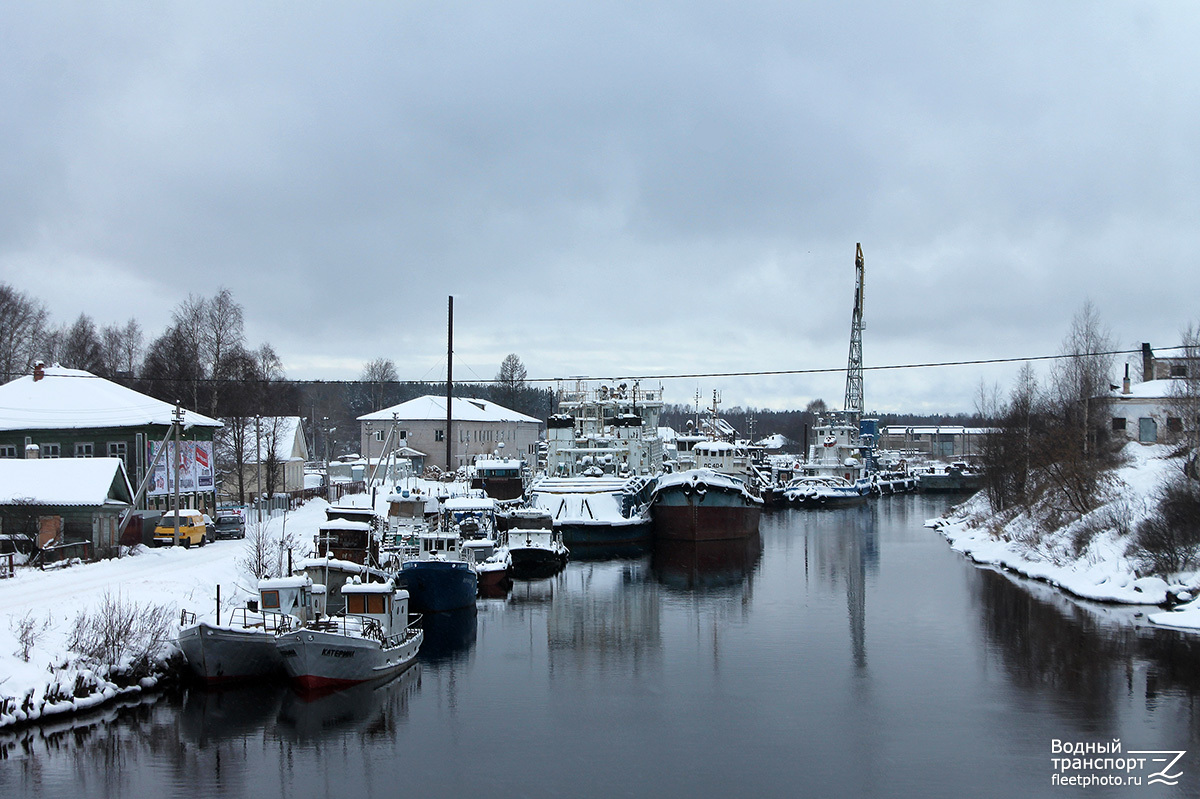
(245, 647)
(704, 505)
(372, 640)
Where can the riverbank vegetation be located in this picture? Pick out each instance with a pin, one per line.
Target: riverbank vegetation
(1069, 501)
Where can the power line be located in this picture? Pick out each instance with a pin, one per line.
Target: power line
(678, 376)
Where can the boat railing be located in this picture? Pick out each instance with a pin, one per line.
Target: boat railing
(266, 620)
(186, 618)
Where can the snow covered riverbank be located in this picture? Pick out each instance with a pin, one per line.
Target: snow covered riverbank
(54, 680)
(1089, 557)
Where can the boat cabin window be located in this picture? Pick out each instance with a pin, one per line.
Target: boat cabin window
(270, 599)
(366, 603)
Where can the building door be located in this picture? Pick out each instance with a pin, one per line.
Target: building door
(1147, 431)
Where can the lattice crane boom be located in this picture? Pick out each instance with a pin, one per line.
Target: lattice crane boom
(854, 366)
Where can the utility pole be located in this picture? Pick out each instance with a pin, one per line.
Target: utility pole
(258, 465)
(449, 380)
(177, 423)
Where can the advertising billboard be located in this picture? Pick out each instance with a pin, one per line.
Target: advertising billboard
(195, 467)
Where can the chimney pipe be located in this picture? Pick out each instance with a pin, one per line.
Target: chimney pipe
(32, 452)
(39, 370)
(1147, 362)
(1125, 382)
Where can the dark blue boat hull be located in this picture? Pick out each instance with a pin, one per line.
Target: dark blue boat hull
(436, 585)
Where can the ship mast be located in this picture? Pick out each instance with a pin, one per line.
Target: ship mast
(854, 366)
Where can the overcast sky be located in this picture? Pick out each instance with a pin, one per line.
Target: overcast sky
(613, 188)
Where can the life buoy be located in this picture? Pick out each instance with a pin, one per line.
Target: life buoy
(830, 441)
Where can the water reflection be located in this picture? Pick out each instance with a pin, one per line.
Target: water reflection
(605, 613)
(841, 549)
(690, 565)
(371, 710)
(1091, 653)
(449, 635)
(214, 714)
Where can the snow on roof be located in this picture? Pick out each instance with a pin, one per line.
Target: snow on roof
(64, 481)
(497, 463)
(345, 524)
(284, 582)
(431, 408)
(1151, 389)
(67, 399)
(470, 503)
(370, 588)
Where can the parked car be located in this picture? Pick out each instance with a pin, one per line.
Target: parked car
(230, 525)
(192, 529)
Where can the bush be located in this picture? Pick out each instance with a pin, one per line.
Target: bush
(122, 634)
(28, 631)
(1168, 540)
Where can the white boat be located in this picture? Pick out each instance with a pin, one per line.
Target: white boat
(839, 451)
(824, 492)
(371, 641)
(534, 546)
(244, 648)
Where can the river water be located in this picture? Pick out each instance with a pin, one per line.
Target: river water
(842, 653)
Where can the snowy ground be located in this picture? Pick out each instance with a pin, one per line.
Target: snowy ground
(1102, 570)
(177, 577)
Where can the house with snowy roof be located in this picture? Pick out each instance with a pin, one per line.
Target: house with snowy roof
(1160, 409)
(272, 456)
(1149, 413)
(65, 501)
(70, 413)
(477, 427)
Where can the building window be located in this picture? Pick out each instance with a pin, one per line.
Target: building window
(1179, 370)
(403, 435)
(379, 435)
(439, 435)
(8, 451)
(116, 449)
(1174, 424)
(50, 450)
(84, 450)
(1118, 423)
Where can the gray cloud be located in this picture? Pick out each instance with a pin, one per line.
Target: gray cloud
(619, 188)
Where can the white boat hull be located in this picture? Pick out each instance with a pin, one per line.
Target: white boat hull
(227, 654)
(318, 660)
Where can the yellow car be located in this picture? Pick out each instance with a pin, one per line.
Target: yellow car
(192, 529)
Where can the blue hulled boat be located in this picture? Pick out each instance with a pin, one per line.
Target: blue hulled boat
(439, 578)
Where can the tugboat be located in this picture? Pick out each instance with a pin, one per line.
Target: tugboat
(439, 578)
(704, 505)
(372, 640)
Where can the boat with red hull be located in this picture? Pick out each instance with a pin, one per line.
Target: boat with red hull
(371, 641)
(704, 505)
